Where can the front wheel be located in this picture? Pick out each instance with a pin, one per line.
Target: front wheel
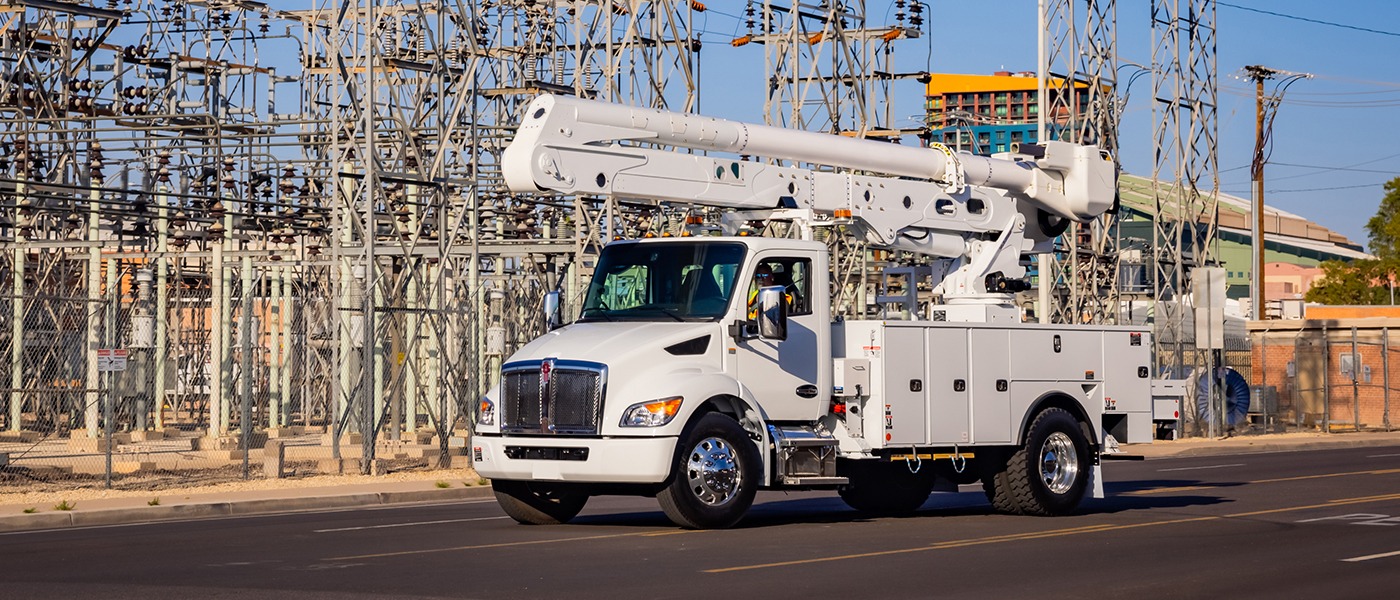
(1046, 476)
(538, 503)
(715, 477)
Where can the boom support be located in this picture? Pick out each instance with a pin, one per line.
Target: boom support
(971, 210)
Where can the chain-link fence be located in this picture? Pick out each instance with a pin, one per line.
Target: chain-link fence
(1315, 376)
(144, 374)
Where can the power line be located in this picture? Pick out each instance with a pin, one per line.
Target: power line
(1296, 18)
(1325, 169)
(1335, 168)
(1343, 187)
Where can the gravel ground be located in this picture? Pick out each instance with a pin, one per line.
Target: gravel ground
(76, 491)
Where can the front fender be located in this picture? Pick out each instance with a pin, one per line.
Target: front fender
(695, 388)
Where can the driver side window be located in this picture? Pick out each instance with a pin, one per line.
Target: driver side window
(794, 274)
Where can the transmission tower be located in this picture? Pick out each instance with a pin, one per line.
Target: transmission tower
(1079, 104)
(1185, 179)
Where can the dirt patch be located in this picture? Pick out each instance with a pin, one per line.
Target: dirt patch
(181, 483)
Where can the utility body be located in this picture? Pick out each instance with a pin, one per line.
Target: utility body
(703, 368)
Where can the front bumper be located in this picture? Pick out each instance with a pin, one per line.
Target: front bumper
(613, 460)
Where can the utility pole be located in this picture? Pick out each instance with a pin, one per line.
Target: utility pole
(1265, 109)
(1256, 174)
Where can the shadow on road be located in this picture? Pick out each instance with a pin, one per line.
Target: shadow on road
(829, 509)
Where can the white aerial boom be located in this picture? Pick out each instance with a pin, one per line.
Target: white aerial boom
(971, 210)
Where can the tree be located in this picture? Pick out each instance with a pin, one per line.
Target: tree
(1366, 281)
(1359, 282)
(1384, 228)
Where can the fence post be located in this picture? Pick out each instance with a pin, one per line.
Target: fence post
(214, 378)
(109, 334)
(17, 342)
(94, 318)
(1326, 379)
(245, 368)
(1385, 375)
(1264, 380)
(275, 315)
(1355, 385)
(289, 308)
(162, 302)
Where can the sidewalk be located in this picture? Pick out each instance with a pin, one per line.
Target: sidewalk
(1276, 442)
(173, 505)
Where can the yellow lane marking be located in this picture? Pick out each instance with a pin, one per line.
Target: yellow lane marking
(1376, 472)
(661, 533)
(1329, 504)
(1050, 534)
(1367, 497)
(1281, 479)
(500, 545)
(959, 543)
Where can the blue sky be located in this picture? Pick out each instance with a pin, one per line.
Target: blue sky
(1318, 125)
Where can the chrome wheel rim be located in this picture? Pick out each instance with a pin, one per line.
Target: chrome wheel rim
(1059, 463)
(712, 469)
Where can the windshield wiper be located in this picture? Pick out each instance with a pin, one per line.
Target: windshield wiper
(665, 311)
(600, 311)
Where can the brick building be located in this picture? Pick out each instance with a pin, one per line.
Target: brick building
(1335, 374)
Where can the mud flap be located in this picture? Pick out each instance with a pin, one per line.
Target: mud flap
(1096, 480)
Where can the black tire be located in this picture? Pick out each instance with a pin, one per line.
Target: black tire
(1049, 474)
(715, 476)
(994, 482)
(538, 503)
(887, 486)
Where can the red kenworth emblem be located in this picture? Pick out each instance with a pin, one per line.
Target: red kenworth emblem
(546, 368)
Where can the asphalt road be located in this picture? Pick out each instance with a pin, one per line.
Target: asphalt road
(1323, 524)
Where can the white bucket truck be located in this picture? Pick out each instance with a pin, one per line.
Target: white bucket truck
(703, 369)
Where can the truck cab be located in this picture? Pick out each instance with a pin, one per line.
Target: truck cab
(664, 334)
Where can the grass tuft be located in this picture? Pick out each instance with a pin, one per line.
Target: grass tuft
(442, 484)
(31, 510)
(154, 501)
(65, 505)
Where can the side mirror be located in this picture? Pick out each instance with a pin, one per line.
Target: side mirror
(553, 320)
(772, 313)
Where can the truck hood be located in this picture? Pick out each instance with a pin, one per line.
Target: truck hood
(612, 343)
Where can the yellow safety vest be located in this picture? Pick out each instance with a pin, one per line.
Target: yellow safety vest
(753, 295)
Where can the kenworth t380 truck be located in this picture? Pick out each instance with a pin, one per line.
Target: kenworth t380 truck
(702, 369)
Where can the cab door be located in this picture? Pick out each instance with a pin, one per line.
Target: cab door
(785, 376)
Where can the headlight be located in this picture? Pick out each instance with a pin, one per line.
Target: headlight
(487, 413)
(653, 413)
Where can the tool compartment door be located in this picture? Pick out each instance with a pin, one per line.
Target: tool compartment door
(990, 384)
(947, 385)
(906, 389)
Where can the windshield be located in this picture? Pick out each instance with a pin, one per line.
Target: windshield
(680, 281)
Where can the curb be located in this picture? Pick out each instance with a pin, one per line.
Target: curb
(149, 514)
(1264, 447)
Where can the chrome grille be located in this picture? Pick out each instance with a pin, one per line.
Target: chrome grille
(572, 402)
